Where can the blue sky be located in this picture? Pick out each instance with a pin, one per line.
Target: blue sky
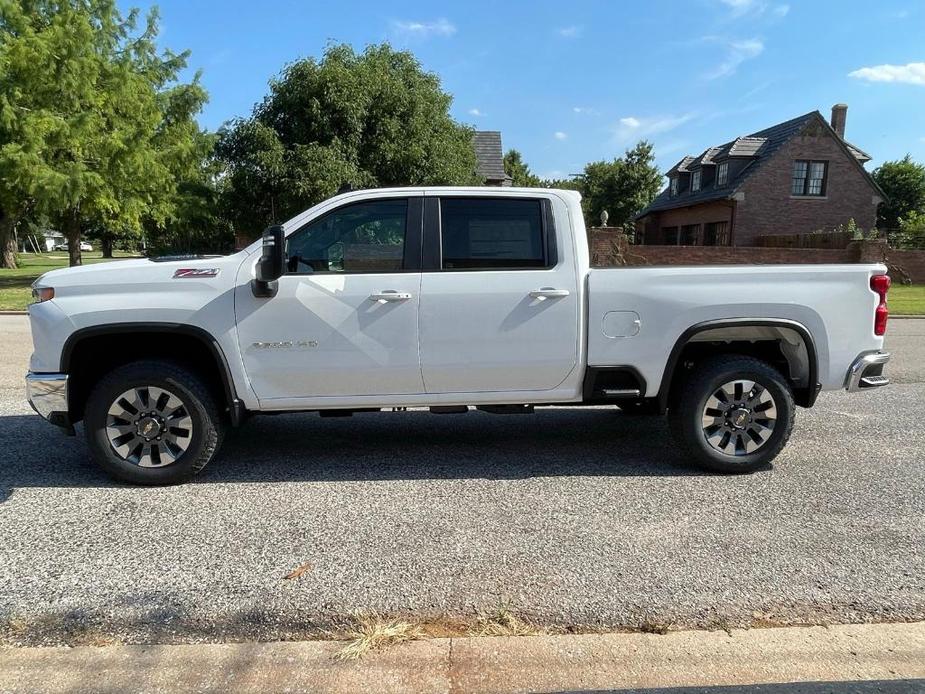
(568, 83)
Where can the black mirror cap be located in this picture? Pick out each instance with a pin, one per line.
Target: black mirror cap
(273, 259)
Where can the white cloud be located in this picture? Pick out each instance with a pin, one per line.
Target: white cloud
(755, 90)
(475, 112)
(552, 174)
(910, 73)
(756, 8)
(586, 110)
(572, 32)
(632, 127)
(439, 27)
(740, 6)
(559, 135)
(737, 53)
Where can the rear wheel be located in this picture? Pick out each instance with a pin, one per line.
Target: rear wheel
(152, 422)
(733, 414)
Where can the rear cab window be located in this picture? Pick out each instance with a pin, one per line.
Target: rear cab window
(495, 234)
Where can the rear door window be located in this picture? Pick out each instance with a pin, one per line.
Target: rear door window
(492, 234)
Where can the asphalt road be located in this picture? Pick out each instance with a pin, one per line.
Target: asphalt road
(573, 517)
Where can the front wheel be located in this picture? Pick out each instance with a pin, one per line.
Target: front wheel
(152, 422)
(733, 414)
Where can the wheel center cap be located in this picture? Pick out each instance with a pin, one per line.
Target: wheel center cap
(739, 417)
(148, 427)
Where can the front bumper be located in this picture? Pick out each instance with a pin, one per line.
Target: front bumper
(47, 393)
(867, 372)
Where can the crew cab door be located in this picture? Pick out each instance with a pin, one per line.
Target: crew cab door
(499, 296)
(344, 320)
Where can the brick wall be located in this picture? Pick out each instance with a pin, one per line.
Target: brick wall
(727, 255)
(609, 248)
(768, 207)
(907, 265)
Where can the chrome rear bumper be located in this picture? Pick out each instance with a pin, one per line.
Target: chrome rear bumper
(867, 372)
(47, 393)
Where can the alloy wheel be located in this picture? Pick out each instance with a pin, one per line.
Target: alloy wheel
(149, 426)
(739, 417)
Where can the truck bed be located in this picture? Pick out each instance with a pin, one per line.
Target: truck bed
(636, 315)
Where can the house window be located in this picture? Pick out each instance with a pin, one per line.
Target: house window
(716, 234)
(809, 177)
(674, 186)
(722, 173)
(690, 234)
(670, 236)
(695, 181)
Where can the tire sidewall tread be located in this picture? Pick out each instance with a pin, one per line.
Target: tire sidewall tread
(685, 415)
(208, 426)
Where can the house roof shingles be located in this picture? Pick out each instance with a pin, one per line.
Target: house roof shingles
(487, 145)
(758, 147)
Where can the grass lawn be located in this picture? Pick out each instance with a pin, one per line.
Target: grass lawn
(15, 285)
(908, 301)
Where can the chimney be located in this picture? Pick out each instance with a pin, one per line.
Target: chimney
(839, 115)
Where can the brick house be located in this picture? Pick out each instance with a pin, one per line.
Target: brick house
(797, 176)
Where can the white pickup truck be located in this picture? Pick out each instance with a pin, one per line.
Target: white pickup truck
(446, 298)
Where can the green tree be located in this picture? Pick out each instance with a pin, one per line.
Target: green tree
(517, 169)
(370, 119)
(623, 186)
(196, 224)
(912, 230)
(564, 183)
(94, 125)
(903, 181)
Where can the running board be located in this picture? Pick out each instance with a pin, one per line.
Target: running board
(621, 393)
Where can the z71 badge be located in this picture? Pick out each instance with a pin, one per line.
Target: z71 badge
(192, 272)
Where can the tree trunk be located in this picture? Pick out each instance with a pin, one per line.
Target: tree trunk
(106, 246)
(7, 241)
(72, 234)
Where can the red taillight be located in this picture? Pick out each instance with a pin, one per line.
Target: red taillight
(881, 285)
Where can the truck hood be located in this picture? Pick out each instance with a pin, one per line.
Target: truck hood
(137, 271)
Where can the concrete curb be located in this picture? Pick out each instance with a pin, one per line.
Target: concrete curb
(838, 654)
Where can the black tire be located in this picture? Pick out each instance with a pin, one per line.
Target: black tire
(203, 441)
(686, 412)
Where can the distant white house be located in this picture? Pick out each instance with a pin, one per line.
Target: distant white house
(53, 238)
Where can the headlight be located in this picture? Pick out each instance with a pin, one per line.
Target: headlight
(40, 294)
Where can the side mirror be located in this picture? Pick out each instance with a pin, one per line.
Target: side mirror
(272, 262)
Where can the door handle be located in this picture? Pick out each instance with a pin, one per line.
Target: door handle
(390, 295)
(548, 293)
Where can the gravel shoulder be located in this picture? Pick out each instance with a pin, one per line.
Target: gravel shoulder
(574, 518)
